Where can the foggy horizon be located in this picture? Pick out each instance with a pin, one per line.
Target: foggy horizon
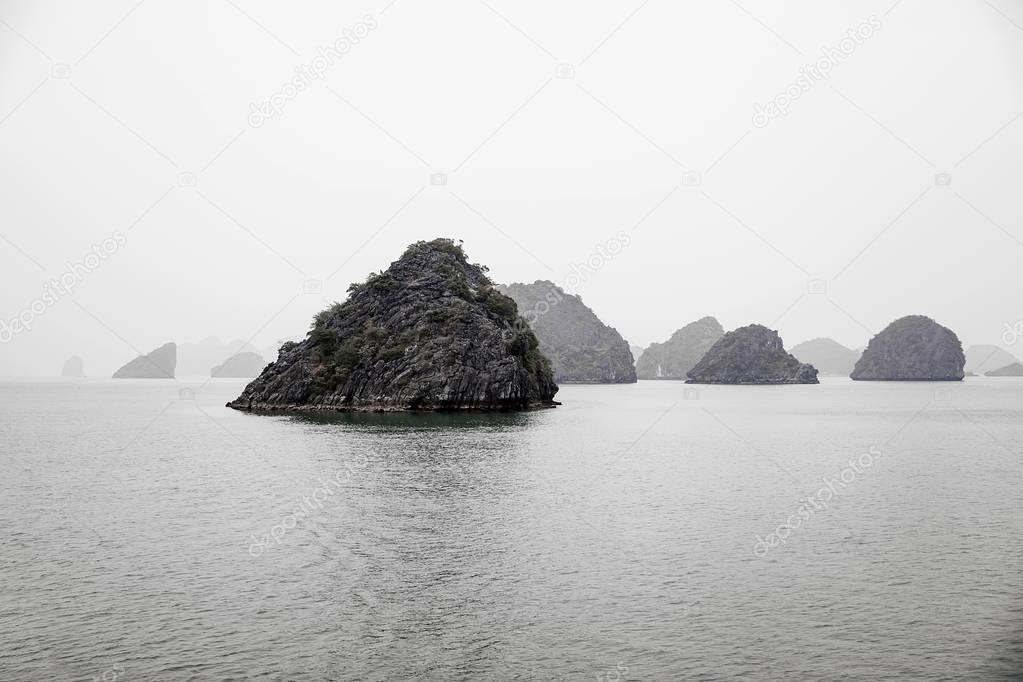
(890, 180)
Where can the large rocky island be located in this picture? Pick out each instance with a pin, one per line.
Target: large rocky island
(429, 333)
(159, 364)
(752, 354)
(679, 354)
(912, 348)
(582, 349)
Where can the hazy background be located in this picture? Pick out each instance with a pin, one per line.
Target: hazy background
(106, 107)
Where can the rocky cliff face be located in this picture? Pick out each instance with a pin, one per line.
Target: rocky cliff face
(1013, 370)
(829, 357)
(582, 349)
(430, 333)
(241, 366)
(156, 365)
(679, 354)
(912, 348)
(73, 367)
(750, 355)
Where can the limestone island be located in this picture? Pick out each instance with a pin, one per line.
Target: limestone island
(582, 349)
(752, 354)
(829, 357)
(679, 354)
(912, 348)
(430, 333)
(73, 367)
(1013, 370)
(240, 366)
(159, 364)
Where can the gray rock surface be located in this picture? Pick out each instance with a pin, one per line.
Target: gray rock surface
(752, 354)
(156, 365)
(430, 333)
(582, 349)
(912, 348)
(679, 354)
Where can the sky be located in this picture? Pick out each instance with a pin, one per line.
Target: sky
(165, 178)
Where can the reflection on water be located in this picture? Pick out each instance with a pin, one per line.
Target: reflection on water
(611, 538)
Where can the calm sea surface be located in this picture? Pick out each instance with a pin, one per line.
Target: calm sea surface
(150, 537)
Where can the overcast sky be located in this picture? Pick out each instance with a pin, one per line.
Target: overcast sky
(895, 181)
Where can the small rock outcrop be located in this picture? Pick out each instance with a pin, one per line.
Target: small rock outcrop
(679, 354)
(240, 366)
(582, 349)
(829, 357)
(912, 348)
(1013, 370)
(156, 365)
(983, 358)
(429, 333)
(73, 367)
(752, 354)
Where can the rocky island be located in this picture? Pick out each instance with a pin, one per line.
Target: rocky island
(240, 366)
(752, 354)
(984, 358)
(73, 367)
(159, 364)
(829, 357)
(912, 348)
(1013, 370)
(429, 333)
(582, 349)
(679, 354)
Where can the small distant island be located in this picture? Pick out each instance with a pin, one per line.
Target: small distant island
(752, 354)
(1013, 370)
(912, 348)
(829, 357)
(240, 366)
(74, 367)
(675, 357)
(430, 333)
(159, 364)
(582, 349)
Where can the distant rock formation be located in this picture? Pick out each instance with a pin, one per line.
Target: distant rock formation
(1013, 370)
(752, 354)
(73, 367)
(156, 365)
(679, 354)
(636, 353)
(982, 358)
(912, 348)
(196, 359)
(430, 333)
(582, 349)
(829, 357)
(240, 366)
